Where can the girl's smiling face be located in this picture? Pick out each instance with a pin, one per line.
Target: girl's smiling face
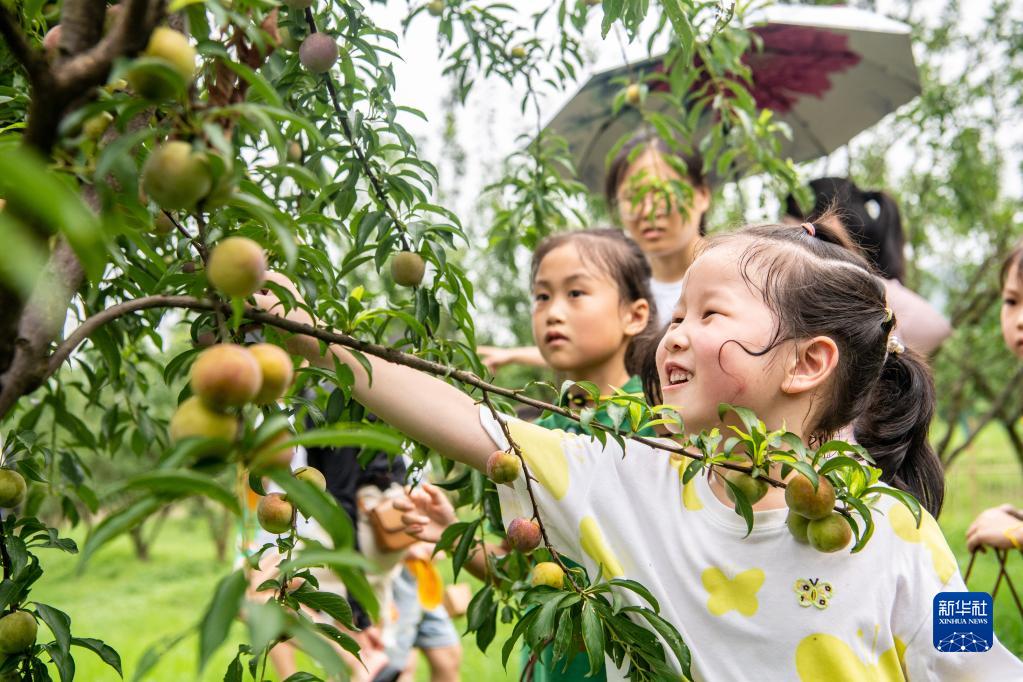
(1012, 311)
(707, 355)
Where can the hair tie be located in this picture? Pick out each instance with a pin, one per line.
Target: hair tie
(888, 314)
(810, 229)
(894, 345)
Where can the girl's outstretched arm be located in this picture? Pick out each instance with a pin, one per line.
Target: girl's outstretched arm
(421, 406)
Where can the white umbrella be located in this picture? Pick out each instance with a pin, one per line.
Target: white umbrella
(828, 72)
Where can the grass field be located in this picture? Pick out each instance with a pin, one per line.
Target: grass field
(134, 605)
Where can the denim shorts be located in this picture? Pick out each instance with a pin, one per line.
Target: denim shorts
(416, 626)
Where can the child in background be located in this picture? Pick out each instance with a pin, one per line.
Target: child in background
(796, 329)
(644, 183)
(1002, 527)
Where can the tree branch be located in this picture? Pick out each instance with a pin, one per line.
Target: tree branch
(997, 406)
(128, 36)
(389, 354)
(32, 59)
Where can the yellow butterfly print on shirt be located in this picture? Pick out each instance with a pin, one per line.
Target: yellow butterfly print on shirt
(739, 593)
(813, 592)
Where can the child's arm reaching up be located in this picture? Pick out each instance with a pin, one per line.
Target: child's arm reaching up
(417, 404)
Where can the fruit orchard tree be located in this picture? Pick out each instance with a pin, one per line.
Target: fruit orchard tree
(157, 161)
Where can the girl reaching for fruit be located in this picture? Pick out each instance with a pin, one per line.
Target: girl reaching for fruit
(796, 329)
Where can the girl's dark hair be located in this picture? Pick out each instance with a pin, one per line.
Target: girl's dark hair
(815, 287)
(622, 260)
(691, 159)
(1015, 257)
(881, 239)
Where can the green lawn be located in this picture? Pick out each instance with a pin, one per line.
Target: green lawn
(135, 605)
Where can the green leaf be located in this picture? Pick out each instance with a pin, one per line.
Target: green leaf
(593, 638)
(464, 545)
(338, 558)
(58, 622)
(315, 643)
(742, 505)
(517, 631)
(181, 483)
(119, 522)
(348, 435)
(334, 605)
(106, 653)
(675, 642)
(317, 504)
(222, 610)
(638, 589)
(347, 643)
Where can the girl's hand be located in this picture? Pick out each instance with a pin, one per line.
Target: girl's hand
(495, 358)
(993, 528)
(428, 512)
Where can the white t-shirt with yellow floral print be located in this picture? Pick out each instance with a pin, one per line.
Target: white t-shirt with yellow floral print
(762, 607)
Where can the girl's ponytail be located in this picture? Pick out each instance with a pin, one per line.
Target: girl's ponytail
(894, 428)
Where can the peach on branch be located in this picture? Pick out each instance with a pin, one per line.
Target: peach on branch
(275, 513)
(408, 268)
(237, 267)
(805, 501)
(162, 224)
(12, 488)
(753, 488)
(524, 534)
(95, 126)
(17, 632)
(277, 370)
(435, 7)
(193, 418)
(503, 467)
(311, 475)
(830, 533)
(225, 375)
(318, 52)
(172, 49)
(797, 527)
(548, 573)
(633, 94)
(294, 151)
(175, 176)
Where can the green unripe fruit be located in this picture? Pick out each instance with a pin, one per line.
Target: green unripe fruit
(12, 488)
(226, 375)
(797, 526)
(518, 52)
(288, 41)
(237, 267)
(524, 535)
(294, 152)
(503, 467)
(193, 418)
(175, 176)
(17, 632)
(548, 573)
(276, 369)
(275, 513)
(407, 269)
(805, 501)
(95, 126)
(435, 7)
(318, 52)
(311, 475)
(830, 533)
(162, 224)
(633, 94)
(172, 48)
(753, 488)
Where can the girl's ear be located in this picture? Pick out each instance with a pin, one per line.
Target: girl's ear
(635, 315)
(810, 366)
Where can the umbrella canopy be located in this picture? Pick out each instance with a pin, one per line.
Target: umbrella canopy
(828, 72)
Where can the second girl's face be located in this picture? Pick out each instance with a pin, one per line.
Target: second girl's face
(579, 321)
(700, 360)
(1012, 311)
(651, 213)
